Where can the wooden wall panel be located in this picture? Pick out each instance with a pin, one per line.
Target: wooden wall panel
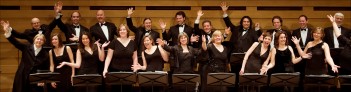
(20, 19)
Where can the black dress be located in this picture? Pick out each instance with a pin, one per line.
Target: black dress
(316, 65)
(217, 60)
(29, 64)
(154, 61)
(65, 72)
(255, 60)
(185, 61)
(122, 59)
(283, 62)
(89, 63)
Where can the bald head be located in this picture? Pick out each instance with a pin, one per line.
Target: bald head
(36, 23)
(100, 16)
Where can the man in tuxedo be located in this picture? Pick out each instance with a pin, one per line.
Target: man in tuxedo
(244, 35)
(207, 30)
(174, 31)
(305, 34)
(331, 39)
(277, 24)
(140, 32)
(103, 31)
(72, 30)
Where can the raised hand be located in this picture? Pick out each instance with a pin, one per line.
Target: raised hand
(58, 7)
(97, 42)
(257, 26)
(295, 40)
(74, 38)
(5, 26)
(162, 24)
(331, 18)
(160, 42)
(203, 38)
(105, 44)
(227, 30)
(194, 38)
(130, 11)
(224, 7)
(199, 13)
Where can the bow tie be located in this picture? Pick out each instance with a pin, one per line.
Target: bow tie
(75, 26)
(180, 25)
(303, 29)
(102, 24)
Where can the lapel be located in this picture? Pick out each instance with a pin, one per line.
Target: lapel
(99, 29)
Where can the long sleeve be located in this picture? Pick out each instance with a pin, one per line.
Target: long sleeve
(131, 26)
(228, 23)
(16, 43)
(344, 40)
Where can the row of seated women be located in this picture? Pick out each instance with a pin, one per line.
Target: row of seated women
(122, 56)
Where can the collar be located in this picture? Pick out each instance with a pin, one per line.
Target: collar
(35, 48)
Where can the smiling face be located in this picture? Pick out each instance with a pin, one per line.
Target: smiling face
(267, 40)
(36, 23)
(303, 22)
(207, 27)
(123, 31)
(39, 40)
(217, 37)
(183, 40)
(276, 23)
(147, 24)
(100, 16)
(282, 39)
(55, 41)
(318, 34)
(75, 17)
(148, 42)
(246, 23)
(180, 19)
(85, 40)
(339, 20)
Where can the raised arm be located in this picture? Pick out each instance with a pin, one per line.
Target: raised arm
(101, 50)
(197, 22)
(129, 20)
(226, 19)
(165, 33)
(247, 54)
(7, 29)
(329, 59)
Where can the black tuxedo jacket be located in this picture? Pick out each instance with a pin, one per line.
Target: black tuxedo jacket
(241, 43)
(29, 64)
(329, 38)
(297, 33)
(97, 32)
(29, 34)
(69, 29)
(200, 32)
(140, 33)
(174, 32)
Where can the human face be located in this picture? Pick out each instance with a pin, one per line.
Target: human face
(282, 39)
(100, 16)
(180, 19)
(183, 40)
(207, 27)
(276, 24)
(36, 23)
(39, 41)
(55, 41)
(75, 17)
(217, 39)
(147, 42)
(246, 23)
(339, 19)
(267, 40)
(303, 22)
(123, 31)
(147, 24)
(85, 40)
(317, 35)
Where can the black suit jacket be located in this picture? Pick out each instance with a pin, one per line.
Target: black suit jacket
(199, 32)
(69, 29)
(139, 34)
(97, 32)
(174, 32)
(29, 64)
(329, 38)
(241, 43)
(29, 34)
(297, 33)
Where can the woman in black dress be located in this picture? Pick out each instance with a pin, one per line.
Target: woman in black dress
(33, 59)
(320, 52)
(256, 55)
(122, 53)
(184, 54)
(58, 54)
(283, 54)
(153, 56)
(218, 53)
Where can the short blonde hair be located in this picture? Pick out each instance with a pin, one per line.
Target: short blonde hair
(217, 33)
(40, 35)
(339, 14)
